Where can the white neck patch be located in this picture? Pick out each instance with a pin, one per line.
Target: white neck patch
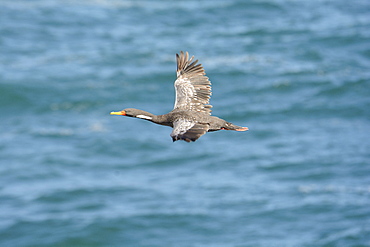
(144, 117)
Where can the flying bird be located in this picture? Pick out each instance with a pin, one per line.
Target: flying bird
(191, 116)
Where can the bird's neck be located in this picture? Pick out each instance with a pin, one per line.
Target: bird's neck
(158, 119)
(145, 115)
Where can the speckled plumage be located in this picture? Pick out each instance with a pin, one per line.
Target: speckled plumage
(193, 88)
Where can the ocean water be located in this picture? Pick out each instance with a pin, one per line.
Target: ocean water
(297, 73)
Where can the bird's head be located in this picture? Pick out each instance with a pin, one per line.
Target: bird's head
(132, 112)
(126, 112)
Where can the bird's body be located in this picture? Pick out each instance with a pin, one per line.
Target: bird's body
(191, 117)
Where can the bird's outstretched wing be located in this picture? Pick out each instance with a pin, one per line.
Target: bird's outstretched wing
(187, 130)
(193, 89)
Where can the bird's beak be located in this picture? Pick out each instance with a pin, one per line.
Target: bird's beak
(121, 113)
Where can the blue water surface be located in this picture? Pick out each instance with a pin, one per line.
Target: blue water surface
(295, 72)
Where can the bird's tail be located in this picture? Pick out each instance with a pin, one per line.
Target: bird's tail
(230, 126)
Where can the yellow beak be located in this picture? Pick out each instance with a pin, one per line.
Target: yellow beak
(120, 113)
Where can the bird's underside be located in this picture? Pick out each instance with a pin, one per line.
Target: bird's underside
(188, 131)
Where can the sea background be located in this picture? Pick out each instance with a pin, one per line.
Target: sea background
(297, 73)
